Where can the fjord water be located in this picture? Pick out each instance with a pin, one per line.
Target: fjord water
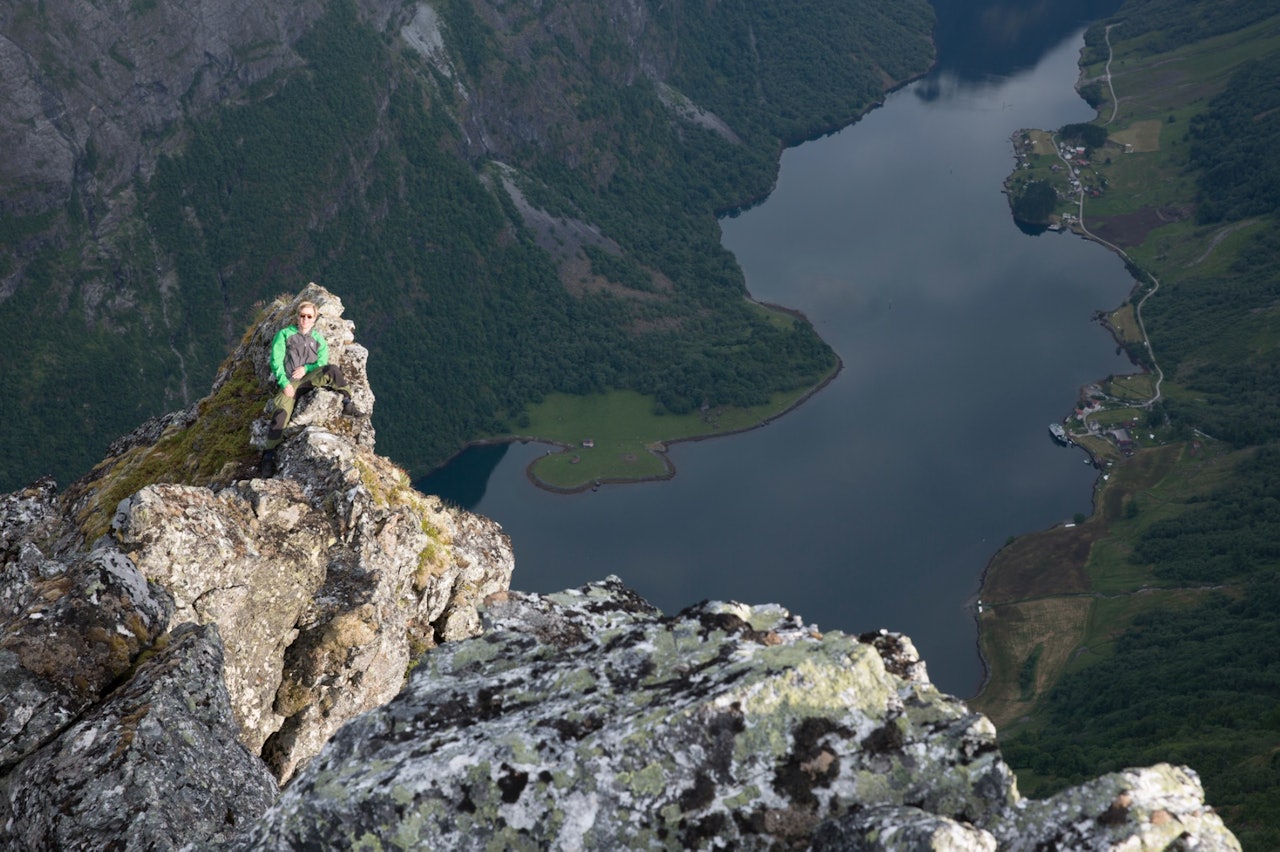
(878, 502)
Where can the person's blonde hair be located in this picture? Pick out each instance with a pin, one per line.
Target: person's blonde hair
(311, 305)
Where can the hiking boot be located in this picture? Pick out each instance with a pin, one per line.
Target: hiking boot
(268, 466)
(349, 408)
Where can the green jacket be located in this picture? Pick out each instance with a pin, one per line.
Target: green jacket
(282, 365)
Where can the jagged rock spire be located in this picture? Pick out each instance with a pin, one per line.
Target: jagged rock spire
(319, 585)
(313, 408)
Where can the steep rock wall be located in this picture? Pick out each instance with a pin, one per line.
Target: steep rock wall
(324, 581)
(95, 87)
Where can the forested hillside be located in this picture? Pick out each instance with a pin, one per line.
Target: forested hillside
(510, 202)
(1148, 633)
(1161, 26)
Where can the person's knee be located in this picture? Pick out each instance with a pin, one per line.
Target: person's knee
(282, 410)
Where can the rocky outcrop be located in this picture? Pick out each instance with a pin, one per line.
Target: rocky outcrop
(332, 575)
(273, 609)
(324, 597)
(154, 764)
(588, 720)
(72, 627)
(584, 719)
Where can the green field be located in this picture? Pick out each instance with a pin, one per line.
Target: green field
(621, 436)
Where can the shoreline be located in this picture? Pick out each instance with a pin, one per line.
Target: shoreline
(1099, 483)
(974, 602)
(733, 210)
(1078, 229)
(670, 467)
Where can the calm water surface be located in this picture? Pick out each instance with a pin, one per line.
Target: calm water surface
(879, 501)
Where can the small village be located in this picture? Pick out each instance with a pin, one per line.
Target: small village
(1108, 422)
(1069, 171)
(1085, 430)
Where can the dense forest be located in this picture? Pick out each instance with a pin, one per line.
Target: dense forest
(355, 171)
(1159, 26)
(1235, 377)
(1237, 171)
(1035, 202)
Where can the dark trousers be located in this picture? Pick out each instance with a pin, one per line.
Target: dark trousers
(328, 376)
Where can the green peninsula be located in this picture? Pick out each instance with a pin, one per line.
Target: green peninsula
(622, 436)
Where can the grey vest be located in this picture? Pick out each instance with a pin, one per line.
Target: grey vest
(300, 349)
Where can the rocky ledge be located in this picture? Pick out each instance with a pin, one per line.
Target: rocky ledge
(180, 636)
(589, 720)
(313, 592)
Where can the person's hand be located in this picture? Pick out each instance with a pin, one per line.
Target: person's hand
(289, 391)
(298, 372)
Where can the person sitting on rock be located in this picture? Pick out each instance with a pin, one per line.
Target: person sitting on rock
(300, 364)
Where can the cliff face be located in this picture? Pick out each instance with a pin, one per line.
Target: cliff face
(94, 92)
(175, 617)
(92, 89)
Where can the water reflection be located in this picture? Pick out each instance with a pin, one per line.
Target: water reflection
(464, 480)
(982, 39)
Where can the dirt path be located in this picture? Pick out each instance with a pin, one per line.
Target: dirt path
(1219, 237)
(1115, 103)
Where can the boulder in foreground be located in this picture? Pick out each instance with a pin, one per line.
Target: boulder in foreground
(589, 720)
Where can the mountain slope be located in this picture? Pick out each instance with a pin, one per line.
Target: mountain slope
(512, 202)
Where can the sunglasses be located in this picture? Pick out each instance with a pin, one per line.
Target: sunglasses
(306, 316)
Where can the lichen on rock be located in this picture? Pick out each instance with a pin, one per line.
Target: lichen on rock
(321, 584)
(587, 719)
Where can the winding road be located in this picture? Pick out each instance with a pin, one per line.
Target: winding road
(1084, 231)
